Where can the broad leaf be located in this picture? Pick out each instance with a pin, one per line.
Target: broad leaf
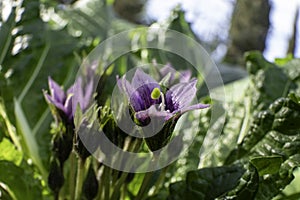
(267, 164)
(16, 181)
(9, 152)
(207, 183)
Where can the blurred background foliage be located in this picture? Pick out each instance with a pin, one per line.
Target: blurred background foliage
(41, 38)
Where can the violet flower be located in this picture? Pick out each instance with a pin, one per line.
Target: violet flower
(171, 75)
(149, 100)
(66, 102)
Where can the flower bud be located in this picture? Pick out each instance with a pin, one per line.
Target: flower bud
(56, 177)
(90, 185)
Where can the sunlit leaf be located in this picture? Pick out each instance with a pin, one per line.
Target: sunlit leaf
(15, 180)
(10, 153)
(267, 164)
(29, 142)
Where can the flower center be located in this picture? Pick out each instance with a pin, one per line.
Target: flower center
(155, 94)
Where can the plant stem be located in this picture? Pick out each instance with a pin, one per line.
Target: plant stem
(56, 195)
(124, 191)
(79, 178)
(160, 179)
(147, 180)
(104, 189)
(117, 188)
(145, 185)
(106, 174)
(100, 188)
(72, 176)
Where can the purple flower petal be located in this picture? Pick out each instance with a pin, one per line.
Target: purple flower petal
(168, 70)
(139, 92)
(142, 97)
(69, 111)
(78, 97)
(125, 86)
(56, 91)
(140, 78)
(144, 85)
(71, 101)
(132, 96)
(75, 95)
(180, 95)
(137, 102)
(185, 76)
(53, 101)
(152, 112)
(88, 94)
(194, 107)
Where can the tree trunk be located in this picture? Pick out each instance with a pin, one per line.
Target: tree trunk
(130, 10)
(249, 28)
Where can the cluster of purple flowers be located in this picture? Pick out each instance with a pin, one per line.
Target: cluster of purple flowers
(162, 103)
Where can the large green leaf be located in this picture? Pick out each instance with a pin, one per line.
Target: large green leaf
(44, 53)
(207, 183)
(266, 131)
(16, 181)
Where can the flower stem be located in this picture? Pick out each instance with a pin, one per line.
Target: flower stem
(147, 180)
(56, 196)
(79, 178)
(104, 184)
(117, 187)
(160, 179)
(145, 185)
(72, 176)
(100, 181)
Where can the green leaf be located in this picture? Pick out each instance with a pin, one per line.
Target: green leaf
(291, 197)
(268, 82)
(291, 190)
(248, 185)
(177, 190)
(292, 70)
(8, 128)
(207, 183)
(294, 97)
(267, 164)
(263, 127)
(213, 182)
(15, 179)
(283, 61)
(29, 142)
(9, 152)
(287, 116)
(236, 125)
(178, 23)
(5, 35)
